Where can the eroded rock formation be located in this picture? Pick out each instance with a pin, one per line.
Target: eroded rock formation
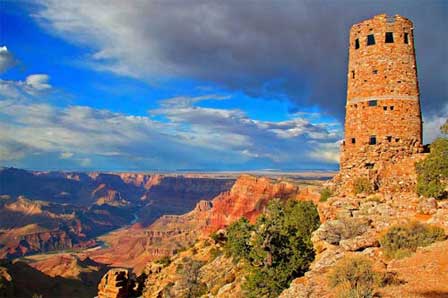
(119, 283)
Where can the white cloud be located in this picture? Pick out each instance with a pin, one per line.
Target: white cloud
(193, 136)
(7, 59)
(65, 155)
(34, 85)
(327, 152)
(38, 81)
(431, 125)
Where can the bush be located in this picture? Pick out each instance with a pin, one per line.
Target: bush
(362, 185)
(218, 237)
(325, 194)
(402, 240)
(189, 270)
(432, 179)
(354, 277)
(214, 253)
(164, 261)
(277, 248)
(238, 235)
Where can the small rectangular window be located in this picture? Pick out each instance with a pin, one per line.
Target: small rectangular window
(372, 140)
(375, 71)
(357, 43)
(370, 39)
(353, 141)
(372, 103)
(369, 165)
(389, 139)
(353, 74)
(391, 108)
(389, 37)
(406, 38)
(385, 108)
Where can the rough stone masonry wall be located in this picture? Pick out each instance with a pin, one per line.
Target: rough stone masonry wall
(382, 101)
(388, 167)
(385, 73)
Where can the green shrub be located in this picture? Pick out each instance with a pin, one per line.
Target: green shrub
(215, 252)
(164, 261)
(325, 194)
(432, 179)
(277, 248)
(354, 277)
(218, 237)
(402, 240)
(189, 271)
(238, 237)
(374, 198)
(362, 185)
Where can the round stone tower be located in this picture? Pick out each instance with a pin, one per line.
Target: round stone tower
(383, 105)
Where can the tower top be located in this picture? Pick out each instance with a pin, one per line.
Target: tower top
(383, 18)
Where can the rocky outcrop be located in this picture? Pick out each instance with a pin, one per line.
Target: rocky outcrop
(6, 285)
(68, 266)
(200, 270)
(353, 225)
(248, 197)
(119, 283)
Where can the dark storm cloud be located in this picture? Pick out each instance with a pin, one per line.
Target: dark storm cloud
(278, 49)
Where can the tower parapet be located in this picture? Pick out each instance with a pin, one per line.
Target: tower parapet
(383, 122)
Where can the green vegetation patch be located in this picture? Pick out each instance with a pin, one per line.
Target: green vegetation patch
(362, 185)
(325, 194)
(402, 240)
(432, 179)
(353, 277)
(276, 249)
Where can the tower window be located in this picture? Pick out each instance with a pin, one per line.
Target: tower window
(353, 141)
(391, 108)
(406, 38)
(375, 71)
(353, 74)
(389, 139)
(385, 108)
(372, 103)
(370, 39)
(369, 165)
(357, 43)
(372, 140)
(389, 37)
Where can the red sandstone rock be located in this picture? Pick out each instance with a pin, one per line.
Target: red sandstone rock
(137, 246)
(118, 283)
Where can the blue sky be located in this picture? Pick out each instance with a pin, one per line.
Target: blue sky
(142, 86)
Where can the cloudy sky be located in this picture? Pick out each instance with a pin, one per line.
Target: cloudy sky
(191, 85)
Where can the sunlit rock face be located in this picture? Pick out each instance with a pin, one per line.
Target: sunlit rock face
(48, 211)
(136, 246)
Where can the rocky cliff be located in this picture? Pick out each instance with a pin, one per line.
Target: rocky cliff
(136, 246)
(46, 211)
(353, 227)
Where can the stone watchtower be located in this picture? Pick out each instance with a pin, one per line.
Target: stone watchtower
(383, 120)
